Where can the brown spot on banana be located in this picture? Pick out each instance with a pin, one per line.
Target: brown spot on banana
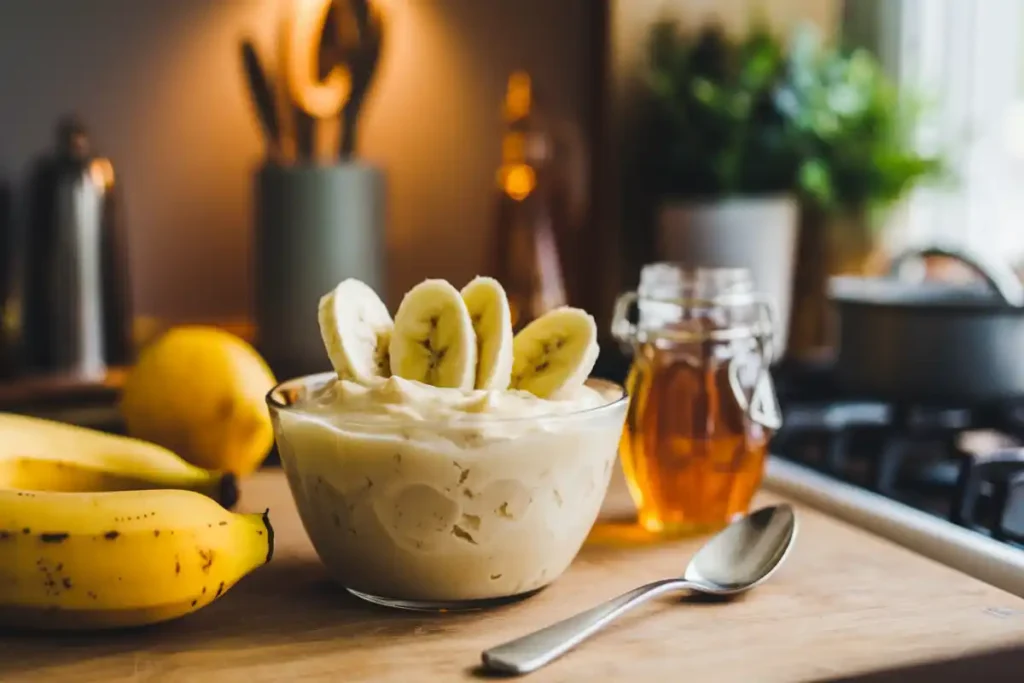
(207, 560)
(111, 535)
(53, 537)
(220, 589)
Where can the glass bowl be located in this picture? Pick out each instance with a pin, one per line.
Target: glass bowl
(460, 514)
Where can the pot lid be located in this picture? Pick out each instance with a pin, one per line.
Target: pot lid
(894, 292)
(1000, 287)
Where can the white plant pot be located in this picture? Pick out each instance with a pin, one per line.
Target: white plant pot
(757, 233)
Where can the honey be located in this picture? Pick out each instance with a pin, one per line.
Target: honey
(701, 405)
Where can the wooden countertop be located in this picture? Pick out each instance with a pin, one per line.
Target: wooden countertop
(845, 602)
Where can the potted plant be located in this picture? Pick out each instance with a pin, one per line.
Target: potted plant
(718, 160)
(858, 159)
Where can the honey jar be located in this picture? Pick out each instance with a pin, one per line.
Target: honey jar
(702, 403)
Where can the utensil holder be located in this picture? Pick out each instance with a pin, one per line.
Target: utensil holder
(315, 226)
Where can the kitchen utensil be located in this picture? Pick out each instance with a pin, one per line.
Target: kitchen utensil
(299, 51)
(316, 90)
(305, 134)
(77, 309)
(362, 61)
(928, 341)
(263, 98)
(320, 98)
(738, 558)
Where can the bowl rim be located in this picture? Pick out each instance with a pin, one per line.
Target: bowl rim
(470, 419)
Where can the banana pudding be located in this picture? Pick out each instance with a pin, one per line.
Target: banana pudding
(445, 461)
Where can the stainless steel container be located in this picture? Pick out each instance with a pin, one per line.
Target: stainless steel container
(77, 317)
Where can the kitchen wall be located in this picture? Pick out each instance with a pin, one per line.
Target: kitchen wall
(629, 23)
(160, 87)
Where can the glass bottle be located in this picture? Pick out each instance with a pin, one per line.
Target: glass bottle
(702, 406)
(524, 254)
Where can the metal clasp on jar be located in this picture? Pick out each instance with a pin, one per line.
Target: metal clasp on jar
(761, 405)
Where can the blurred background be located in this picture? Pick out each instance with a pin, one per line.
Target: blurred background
(537, 141)
(181, 181)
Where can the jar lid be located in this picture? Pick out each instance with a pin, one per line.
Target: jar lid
(683, 304)
(665, 280)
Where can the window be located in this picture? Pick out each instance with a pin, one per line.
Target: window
(966, 57)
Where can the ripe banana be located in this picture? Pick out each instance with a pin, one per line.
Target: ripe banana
(433, 340)
(555, 353)
(117, 559)
(43, 455)
(355, 326)
(492, 322)
(451, 339)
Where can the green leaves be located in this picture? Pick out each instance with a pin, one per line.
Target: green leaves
(710, 127)
(728, 116)
(816, 180)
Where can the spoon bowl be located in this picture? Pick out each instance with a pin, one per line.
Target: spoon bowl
(744, 554)
(741, 556)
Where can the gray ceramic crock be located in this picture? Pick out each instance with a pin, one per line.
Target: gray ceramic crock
(315, 226)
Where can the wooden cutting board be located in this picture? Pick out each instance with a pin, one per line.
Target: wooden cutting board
(845, 602)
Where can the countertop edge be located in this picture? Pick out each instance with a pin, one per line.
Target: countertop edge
(978, 556)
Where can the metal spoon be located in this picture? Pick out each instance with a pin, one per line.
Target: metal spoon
(739, 557)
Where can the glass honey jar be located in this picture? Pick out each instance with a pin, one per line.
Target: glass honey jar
(702, 403)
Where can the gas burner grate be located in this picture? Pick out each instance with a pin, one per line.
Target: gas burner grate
(990, 494)
(962, 463)
(916, 456)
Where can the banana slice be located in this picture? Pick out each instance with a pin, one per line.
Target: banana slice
(433, 340)
(356, 328)
(492, 321)
(555, 353)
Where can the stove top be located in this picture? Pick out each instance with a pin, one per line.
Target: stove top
(962, 463)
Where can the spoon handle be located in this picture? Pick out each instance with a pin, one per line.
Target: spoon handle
(530, 652)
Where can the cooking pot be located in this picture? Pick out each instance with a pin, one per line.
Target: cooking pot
(908, 339)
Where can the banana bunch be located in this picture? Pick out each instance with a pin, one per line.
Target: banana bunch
(42, 455)
(84, 545)
(459, 339)
(117, 559)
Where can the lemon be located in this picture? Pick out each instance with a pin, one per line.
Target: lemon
(199, 391)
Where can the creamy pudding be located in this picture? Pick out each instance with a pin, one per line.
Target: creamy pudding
(412, 492)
